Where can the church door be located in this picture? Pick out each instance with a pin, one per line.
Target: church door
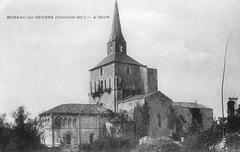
(68, 139)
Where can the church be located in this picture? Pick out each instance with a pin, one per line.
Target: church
(120, 83)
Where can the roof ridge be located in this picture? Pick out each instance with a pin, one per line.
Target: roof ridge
(77, 104)
(117, 57)
(187, 104)
(75, 108)
(134, 97)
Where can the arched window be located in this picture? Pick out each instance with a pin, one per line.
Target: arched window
(91, 138)
(63, 122)
(109, 83)
(98, 85)
(69, 122)
(105, 85)
(111, 48)
(128, 70)
(121, 48)
(101, 85)
(101, 71)
(74, 122)
(159, 120)
(57, 122)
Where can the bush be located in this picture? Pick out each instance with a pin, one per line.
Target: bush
(159, 145)
(204, 140)
(233, 141)
(106, 143)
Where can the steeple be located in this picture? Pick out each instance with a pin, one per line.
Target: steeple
(116, 43)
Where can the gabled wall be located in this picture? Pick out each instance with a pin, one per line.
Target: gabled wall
(159, 108)
(160, 114)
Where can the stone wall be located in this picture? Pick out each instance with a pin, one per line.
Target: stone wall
(152, 81)
(186, 114)
(117, 81)
(104, 81)
(45, 130)
(159, 111)
(90, 125)
(159, 114)
(183, 119)
(207, 117)
(130, 80)
(130, 105)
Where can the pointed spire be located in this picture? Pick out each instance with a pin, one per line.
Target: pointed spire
(116, 43)
(116, 26)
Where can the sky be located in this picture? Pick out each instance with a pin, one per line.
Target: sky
(45, 62)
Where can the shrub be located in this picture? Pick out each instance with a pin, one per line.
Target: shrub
(106, 143)
(233, 141)
(202, 141)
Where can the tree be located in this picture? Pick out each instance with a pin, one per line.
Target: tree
(4, 132)
(2, 120)
(20, 116)
(25, 130)
(22, 135)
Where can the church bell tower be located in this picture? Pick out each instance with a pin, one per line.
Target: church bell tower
(116, 43)
(118, 76)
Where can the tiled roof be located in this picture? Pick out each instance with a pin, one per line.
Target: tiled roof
(141, 96)
(77, 109)
(117, 57)
(190, 105)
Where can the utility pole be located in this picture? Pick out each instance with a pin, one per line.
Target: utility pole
(223, 76)
(222, 91)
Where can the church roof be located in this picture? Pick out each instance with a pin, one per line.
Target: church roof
(142, 96)
(117, 57)
(77, 109)
(116, 26)
(190, 105)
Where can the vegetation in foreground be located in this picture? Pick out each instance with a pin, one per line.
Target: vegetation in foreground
(23, 136)
(209, 140)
